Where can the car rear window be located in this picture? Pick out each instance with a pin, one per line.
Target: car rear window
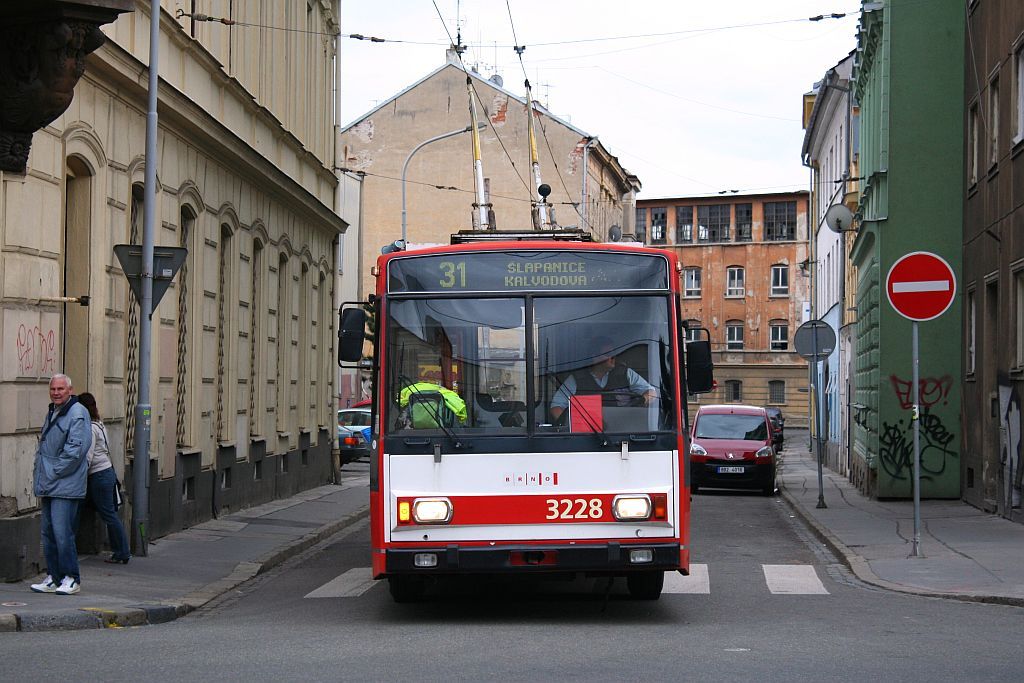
(746, 427)
(355, 418)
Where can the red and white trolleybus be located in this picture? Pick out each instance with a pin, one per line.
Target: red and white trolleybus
(529, 411)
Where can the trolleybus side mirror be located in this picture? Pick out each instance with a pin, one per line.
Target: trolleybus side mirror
(351, 331)
(700, 371)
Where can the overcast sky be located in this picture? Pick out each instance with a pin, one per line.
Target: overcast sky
(694, 97)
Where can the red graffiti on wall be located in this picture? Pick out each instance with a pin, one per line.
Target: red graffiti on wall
(931, 390)
(36, 350)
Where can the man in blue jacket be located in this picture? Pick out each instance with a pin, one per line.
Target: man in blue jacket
(60, 477)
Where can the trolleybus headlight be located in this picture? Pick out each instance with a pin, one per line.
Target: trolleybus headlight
(697, 449)
(432, 510)
(631, 507)
(765, 452)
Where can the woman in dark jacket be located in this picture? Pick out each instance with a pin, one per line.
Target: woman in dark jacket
(103, 482)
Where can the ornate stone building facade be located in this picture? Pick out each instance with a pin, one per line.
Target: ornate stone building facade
(242, 373)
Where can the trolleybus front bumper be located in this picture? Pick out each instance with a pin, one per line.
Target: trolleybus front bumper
(597, 558)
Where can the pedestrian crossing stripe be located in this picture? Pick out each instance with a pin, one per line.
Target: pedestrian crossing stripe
(351, 584)
(781, 579)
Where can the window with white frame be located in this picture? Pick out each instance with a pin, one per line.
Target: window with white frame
(733, 390)
(776, 391)
(734, 335)
(780, 335)
(692, 330)
(691, 282)
(734, 278)
(971, 331)
(1018, 96)
(780, 280)
(993, 121)
(973, 141)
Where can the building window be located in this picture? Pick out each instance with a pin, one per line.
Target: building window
(733, 390)
(684, 224)
(691, 282)
(713, 223)
(744, 222)
(776, 391)
(1018, 312)
(780, 280)
(641, 225)
(779, 221)
(659, 219)
(993, 121)
(692, 330)
(734, 281)
(972, 144)
(734, 335)
(1018, 96)
(780, 335)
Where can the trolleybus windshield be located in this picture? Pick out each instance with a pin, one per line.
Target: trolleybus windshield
(518, 365)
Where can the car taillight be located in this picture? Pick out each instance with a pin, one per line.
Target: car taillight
(351, 441)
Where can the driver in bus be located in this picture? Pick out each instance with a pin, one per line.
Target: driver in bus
(616, 384)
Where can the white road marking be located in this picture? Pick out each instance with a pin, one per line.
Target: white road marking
(920, 286)
(351, 584)
(696, 582)
(793, 579)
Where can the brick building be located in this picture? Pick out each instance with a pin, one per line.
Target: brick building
(743, 282)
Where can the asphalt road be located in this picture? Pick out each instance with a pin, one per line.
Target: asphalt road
(766, 602)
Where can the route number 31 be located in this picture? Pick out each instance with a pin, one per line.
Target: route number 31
(574, 508)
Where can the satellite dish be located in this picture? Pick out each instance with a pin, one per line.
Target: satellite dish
(497, 80)
(839, 218)
(615, 233)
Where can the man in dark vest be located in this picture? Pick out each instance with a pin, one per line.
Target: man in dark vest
(616, 384)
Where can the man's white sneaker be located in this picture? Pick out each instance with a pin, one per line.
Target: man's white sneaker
(47, 586)
(68, 586)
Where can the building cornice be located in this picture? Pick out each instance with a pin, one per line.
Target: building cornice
(130, 78)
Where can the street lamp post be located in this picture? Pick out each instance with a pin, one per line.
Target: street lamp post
(405, 166)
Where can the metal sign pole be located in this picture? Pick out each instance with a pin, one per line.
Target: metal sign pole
(143, 409)
(817, 420)
(917, 447)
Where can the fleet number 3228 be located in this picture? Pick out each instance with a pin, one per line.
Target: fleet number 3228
(574, 508)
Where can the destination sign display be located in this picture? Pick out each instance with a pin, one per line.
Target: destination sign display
(528, 271)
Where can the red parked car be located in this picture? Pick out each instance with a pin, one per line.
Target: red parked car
(732, 447)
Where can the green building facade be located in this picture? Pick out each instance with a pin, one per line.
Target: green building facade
(909, 82)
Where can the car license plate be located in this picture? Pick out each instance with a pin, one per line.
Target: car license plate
(730, 470)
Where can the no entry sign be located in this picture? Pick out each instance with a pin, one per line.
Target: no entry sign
(920, 286)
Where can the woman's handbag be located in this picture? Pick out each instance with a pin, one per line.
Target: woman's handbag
(118, 500)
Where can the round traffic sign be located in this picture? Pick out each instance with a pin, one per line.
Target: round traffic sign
(815, 340)
(920, 286)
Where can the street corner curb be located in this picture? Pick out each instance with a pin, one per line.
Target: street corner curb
(862, 570)
(245, 571)
(65, 620)
(279, 555)
(854, 562)
(118, 618)
(8, 622)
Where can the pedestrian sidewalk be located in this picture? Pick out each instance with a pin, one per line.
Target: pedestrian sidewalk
(186, 570)
(967, 554)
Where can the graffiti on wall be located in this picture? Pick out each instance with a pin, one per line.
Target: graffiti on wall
(1010, 444)
(37, 350)
(896, 447)
(930, 390)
